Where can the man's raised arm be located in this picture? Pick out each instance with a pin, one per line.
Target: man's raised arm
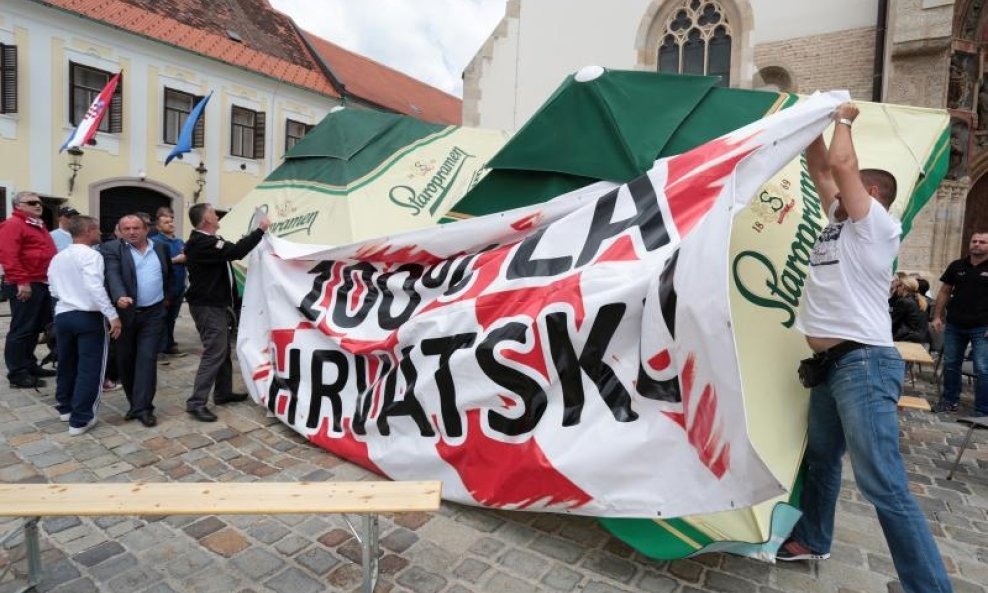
(844, 165)
(818, 166)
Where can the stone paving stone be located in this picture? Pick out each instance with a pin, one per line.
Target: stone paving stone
(420, 580)
(134, 580)
(471, 569)
(225, 542)
(561, 578)
(56, 524)
(291, 544)
(557, 548)
(398, 540)
(256, 563)
(602, 587)
(267, 531)
(56, 574)
(506, 583)
(99, 553)
(317, 560)
(191, 562)
(78, 586)
(204, 527)
(610, 566)
(651, 582)
(294, 580)
(524, 564)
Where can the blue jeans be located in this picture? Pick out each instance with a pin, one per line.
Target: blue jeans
(955, 341)
(854, 410)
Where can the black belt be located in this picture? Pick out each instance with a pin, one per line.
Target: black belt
(835, 352)
(148, 308)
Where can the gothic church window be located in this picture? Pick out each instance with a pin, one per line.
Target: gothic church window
(697, 40)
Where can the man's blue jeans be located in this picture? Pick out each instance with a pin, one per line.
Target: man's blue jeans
(854, 410)
(955, 341)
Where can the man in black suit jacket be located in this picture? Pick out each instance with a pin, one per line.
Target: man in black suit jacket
(138, 273)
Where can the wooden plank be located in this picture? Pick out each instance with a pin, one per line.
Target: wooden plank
(914, 352)
(209, 498)
(914, 403)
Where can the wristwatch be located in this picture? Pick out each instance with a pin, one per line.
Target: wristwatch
(845, 121)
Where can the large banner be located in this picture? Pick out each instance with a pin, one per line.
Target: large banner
(574, 356)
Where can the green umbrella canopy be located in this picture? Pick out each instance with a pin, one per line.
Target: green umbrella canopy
(350, 143)
(612, 128)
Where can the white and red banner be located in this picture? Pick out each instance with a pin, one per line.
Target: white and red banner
(577, 356)
(87, 128)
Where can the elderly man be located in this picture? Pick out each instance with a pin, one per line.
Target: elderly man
(138, 273)
(61, 235)
(211, 293)
(26, 250)
(77, 281)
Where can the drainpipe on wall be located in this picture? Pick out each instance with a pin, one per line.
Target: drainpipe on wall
(881, 30)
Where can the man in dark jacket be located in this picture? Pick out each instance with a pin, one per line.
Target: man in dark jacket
(211, 294)
(138, 278)
(26, 249)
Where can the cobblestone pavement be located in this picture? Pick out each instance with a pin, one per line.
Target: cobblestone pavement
(457, 550)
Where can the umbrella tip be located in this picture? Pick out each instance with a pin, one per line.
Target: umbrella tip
(588, 73)
(337, 108)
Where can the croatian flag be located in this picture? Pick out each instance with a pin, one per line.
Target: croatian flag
(185, 137)
(86, 129)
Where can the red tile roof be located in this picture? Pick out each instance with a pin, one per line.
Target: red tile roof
(269, 46)
(378, 84)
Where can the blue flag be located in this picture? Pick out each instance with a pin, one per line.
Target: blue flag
(185, 138)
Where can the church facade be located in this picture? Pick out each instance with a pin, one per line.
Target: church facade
(927, 53)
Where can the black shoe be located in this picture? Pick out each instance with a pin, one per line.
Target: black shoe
(230, 398)
(40, 372)
(27, 382)
(203, 415)
(148, 419)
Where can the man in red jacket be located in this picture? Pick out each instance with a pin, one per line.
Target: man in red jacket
(26, 249)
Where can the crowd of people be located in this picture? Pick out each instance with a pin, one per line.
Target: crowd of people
(112, 306)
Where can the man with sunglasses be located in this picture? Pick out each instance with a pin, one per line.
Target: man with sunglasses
(26, 249)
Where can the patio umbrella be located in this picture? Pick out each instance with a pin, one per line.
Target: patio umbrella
(360, 174)
(602, 125)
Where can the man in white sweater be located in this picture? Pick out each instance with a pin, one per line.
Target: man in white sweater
(83, 308)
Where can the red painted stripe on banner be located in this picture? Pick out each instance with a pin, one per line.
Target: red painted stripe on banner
(690, 190)
(346, 445)
(508, 475)
(623, 249)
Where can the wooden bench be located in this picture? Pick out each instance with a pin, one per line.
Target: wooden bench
(33, 501)
(911, 402)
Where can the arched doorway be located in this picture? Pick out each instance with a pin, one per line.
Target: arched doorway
(112, 198)
(118, 201)
(975, 211)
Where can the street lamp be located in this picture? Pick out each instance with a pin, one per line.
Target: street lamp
(200, 180)
(75, 163)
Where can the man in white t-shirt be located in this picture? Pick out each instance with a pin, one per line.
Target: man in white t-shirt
(81, 314)
(858, 371)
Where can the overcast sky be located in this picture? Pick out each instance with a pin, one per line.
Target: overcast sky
(431, 40)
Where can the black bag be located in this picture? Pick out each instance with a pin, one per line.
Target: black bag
(813, 371)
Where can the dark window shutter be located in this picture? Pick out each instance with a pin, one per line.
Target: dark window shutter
(259, 135)
(116, 109)
(199, 132)
(72, 72)
(8, 78)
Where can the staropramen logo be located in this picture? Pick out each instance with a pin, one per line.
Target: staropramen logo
(290, 220)
(781, 288)
(441, 180)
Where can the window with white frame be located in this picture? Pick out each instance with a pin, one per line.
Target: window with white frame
(247, 133)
